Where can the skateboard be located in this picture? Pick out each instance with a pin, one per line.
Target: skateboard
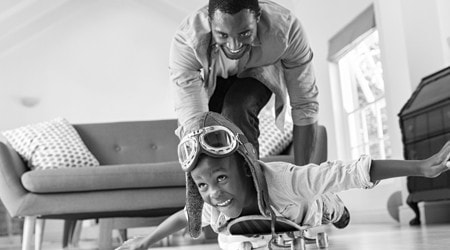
(286, 234)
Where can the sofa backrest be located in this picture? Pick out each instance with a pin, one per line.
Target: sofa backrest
(131, 141)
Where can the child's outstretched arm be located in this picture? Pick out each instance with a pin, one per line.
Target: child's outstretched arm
(173, 224)
(431, 167)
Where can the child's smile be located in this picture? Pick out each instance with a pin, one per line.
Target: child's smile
(223, 184)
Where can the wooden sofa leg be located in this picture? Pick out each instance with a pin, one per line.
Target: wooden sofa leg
(69, 228)
(28, 232)
(105, 234)
(39, 234)
(76, 233)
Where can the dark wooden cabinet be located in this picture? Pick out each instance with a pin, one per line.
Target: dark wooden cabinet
(425, 126)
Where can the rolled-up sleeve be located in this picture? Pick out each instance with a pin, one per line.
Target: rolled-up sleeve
(312, 180)
(299, 76)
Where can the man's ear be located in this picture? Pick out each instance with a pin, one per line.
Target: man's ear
(258, 16)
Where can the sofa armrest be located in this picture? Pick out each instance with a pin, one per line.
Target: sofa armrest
(12, 191)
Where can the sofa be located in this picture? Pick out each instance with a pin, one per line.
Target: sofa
(138, 176)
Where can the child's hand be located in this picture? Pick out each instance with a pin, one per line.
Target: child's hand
(136, 243)
(438, 163)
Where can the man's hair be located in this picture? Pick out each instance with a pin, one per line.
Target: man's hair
(232, 6)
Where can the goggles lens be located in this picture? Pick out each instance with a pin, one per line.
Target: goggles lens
(215, 141)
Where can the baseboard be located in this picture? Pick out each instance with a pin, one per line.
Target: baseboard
(406, 214)
(434, 212)
(431, 212)
(370, 216)
(7, 242)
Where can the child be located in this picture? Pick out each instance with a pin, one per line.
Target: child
(225, 180)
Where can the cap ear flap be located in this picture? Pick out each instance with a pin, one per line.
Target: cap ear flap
(194, 207)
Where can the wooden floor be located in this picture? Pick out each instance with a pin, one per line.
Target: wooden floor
(354, 237)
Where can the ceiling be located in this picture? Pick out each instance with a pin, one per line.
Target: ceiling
(21, 20)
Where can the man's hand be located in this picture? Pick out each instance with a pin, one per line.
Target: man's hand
(304, 144)
(136, 243)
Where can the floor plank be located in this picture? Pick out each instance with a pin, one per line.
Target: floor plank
(354, 237)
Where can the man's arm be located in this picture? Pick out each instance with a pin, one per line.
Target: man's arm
(303, 92)
(304, 142)
(173, 224)
(431, 167)
(188, 84)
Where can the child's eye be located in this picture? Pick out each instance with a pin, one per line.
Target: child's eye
(201, 186)
(221, 178)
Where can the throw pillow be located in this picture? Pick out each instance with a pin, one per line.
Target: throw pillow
(50, 144)
(271, 140)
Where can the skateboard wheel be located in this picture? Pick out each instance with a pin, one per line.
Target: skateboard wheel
(280, 240)
(298, 244)
(322, 240)
(246, 246)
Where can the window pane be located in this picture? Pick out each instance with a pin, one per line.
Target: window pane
(362, 89)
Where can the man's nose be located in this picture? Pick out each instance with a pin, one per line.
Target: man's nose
(234, 44)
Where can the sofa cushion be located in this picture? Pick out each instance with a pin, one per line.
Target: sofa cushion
(50, 144)
(105, 177)
(271, 140)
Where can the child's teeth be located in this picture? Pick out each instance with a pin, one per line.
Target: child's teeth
(224, 203)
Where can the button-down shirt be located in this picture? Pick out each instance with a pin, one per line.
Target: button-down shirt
(280, 58)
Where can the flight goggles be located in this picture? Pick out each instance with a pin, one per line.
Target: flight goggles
(215, 141)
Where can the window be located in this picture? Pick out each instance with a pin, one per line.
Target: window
(355, 50)
(362, 90)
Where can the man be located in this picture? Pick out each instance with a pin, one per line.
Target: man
(231, 56)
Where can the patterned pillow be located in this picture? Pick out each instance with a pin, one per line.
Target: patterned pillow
(271, 140)
(50, 144)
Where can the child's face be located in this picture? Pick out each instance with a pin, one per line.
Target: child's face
(223, 184)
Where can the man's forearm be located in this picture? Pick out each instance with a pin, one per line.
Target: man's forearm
(304, 144)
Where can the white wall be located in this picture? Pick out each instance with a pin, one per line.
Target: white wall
(443, 7)
(88, 61)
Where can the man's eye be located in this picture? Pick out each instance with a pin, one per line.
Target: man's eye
(222, 35)
(246, 34)
(221, 178)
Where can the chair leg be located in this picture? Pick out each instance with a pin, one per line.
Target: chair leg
(28, 230)
(69, 227)
(39, 233)
(123, 233)
(76, 233)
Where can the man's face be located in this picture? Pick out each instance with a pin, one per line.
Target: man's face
(234, 33)
(222, 183)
